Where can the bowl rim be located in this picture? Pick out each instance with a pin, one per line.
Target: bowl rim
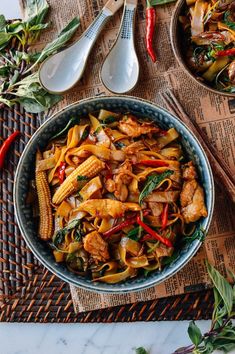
(105, 287)
(178, 55)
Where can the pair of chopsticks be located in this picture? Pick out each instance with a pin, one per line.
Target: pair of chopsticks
(221, 171)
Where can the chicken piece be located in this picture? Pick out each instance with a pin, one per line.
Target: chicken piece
(189, 171)
(231, 72)
(156, 208)
(163, 196)
(134, 148)
(109, 185)
(192, 195)
(123, 177)
(124, 172)
(192, 201)
(96, 246)
(131, 127)
(163, 251)
(107, 207)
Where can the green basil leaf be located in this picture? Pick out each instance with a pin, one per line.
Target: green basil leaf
(82, 178)
(133, 234)
(15, 27)
(34, 105)
(4, 38)
(15, 77)
(2, 22)
(60, 41)
(160, 2)
(74, 223)
(8, 103)
(70, 123)
(35, 11)
(194, 333)
(141, 350)
(58, 238)
(152, 183)
(224, 288)
(4, 71)
(38, 27)
(199, 234)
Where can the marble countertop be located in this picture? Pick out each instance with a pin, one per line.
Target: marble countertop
(113, 338)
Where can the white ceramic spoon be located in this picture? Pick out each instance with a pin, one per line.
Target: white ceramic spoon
(120, 69)
(61, 71)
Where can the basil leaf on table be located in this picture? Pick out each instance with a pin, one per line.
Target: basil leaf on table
(2, 22)
(35, 10)
(58, 42)
(223, 287)
(194, 333)
(141, 350)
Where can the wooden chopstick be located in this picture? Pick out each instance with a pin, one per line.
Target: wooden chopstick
(221, 171)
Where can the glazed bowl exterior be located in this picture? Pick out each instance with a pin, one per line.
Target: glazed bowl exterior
(25, 172)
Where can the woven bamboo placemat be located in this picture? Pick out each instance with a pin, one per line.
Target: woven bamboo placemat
(30, 293)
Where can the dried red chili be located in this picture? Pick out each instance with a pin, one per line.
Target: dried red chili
(150, 26)
(5, 147)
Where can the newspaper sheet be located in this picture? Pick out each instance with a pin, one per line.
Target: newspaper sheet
(215, 115)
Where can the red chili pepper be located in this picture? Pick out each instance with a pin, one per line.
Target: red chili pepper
(154, 163)
(5, 147)
(150, 26)
(61, 172)
(224, 53)
(127, 222)
(153, 233)
(164, 215)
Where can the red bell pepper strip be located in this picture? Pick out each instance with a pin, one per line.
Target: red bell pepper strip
(226, 52)
(164, 215)
(5, 147)
(150, 26)
(153, 233)
(127, 222)
(61, 172)
(154, 163)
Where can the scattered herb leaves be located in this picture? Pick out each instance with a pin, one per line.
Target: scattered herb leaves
(18, 82)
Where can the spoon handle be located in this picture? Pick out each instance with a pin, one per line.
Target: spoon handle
(93, 31)
(128, 20)
(113, 5)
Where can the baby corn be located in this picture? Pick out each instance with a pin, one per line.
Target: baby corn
(88, 169)
(44, 199)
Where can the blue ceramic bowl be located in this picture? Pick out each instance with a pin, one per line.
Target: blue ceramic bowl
(25, 172)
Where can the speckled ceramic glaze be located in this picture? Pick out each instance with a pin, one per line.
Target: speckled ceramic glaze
(25, 172)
